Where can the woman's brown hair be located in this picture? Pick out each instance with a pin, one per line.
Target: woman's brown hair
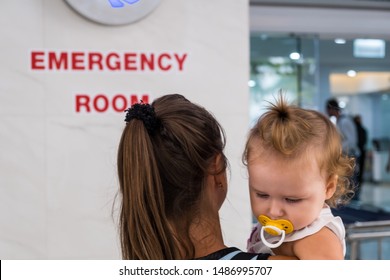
(163, 161)
(291, 132)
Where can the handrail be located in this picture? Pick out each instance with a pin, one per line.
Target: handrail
(361, 231)
(370, 224)
(367, 235)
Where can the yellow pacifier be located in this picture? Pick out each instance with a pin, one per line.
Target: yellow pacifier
(274, 227)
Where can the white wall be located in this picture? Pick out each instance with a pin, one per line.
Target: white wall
(57, 165)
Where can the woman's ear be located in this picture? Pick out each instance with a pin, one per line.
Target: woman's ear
(331, 186)
(218, 162)
(221, 177)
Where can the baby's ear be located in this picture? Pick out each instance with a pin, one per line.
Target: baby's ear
(331, 186)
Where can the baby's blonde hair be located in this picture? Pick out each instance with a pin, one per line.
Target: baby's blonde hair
(290, 133)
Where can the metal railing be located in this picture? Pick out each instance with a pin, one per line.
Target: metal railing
(358, 232)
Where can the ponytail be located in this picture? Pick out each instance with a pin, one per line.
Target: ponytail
(142, 227)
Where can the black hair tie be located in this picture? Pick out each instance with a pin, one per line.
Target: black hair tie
(144, 112)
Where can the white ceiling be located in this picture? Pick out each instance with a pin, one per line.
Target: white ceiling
(327, 22)
(337, 4)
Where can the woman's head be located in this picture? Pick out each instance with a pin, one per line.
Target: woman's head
(288, 138)
(166, 153)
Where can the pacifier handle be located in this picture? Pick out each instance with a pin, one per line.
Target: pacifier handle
(278, 230)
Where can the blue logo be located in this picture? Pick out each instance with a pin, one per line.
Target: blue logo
(120, 4)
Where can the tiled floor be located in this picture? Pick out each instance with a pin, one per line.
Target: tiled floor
(375, 196)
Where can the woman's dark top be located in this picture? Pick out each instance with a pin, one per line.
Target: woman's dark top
(233, 253)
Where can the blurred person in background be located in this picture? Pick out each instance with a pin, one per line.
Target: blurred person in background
(362, 141)
(349, 138)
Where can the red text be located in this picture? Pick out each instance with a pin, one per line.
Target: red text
(101, 103)
(110, 61)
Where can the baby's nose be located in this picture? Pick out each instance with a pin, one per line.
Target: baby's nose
(276, 210)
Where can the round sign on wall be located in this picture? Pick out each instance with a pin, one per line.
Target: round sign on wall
(113, 12)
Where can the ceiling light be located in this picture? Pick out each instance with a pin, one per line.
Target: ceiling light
(340, 41)
(295, 56)
(351, 73)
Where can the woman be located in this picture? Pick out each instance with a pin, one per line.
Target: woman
(172, 175)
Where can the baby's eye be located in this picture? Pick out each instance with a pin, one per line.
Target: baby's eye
(262, 195)
(293, 200)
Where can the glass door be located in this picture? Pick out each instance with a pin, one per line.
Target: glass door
(286, 63)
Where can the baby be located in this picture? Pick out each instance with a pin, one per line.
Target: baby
(296, 173)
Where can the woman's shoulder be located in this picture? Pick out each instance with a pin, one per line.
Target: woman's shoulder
(233, 253)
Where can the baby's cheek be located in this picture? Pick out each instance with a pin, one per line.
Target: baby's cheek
(257, 210)
(301, 222)
(254, 204)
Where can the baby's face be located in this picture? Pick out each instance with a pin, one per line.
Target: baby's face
(291, 190)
